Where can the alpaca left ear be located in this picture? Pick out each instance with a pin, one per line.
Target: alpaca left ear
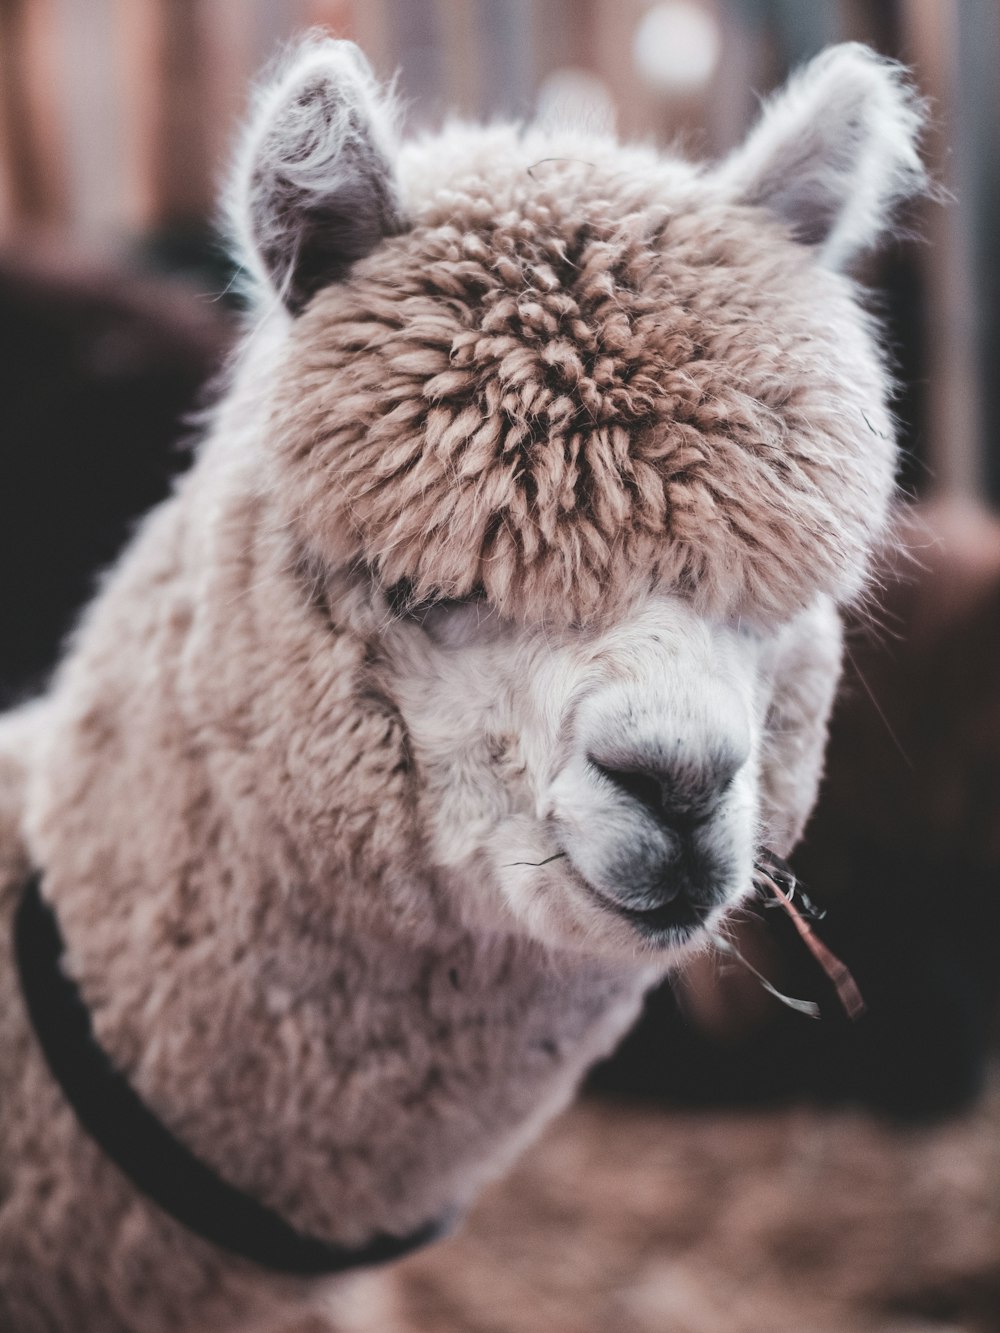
(834, 151)
(314, 188)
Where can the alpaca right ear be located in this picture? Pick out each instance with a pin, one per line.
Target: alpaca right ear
(833, 153)
(315, 187)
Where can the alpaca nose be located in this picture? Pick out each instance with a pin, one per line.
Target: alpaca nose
(679, 797)
(675, 877)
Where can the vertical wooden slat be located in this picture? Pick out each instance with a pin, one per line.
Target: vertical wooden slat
(874, 24)
(94, 116)
(459, 23)
(733, 99)
(182, 146)
(801, 30)
(336, 16)
(372, 28)
(10, 126)
(561, 35)
(977, 172)
(579, 19)
(610, 31)
(414, 26)
(229, 65)
(6, 187)
(270, 26)
(140, 40)
(505, 64)
(953, 430)
(186, 64)
(167, 135)
(31, 114)
(676, 116)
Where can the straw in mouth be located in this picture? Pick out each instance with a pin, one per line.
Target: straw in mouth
(776, 878)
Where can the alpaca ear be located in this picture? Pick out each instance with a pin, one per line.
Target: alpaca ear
(314, 186)
(833, 152)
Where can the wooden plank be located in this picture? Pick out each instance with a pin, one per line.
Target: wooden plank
(172, 139)
(271, 26)
(977, 175)
(608, 30)
(874, 24)
(561, 36)
(734, 100)
(139, 41)
(953, 445)
(31, 113)
(418, 50)
(458, 22)
(229, 66)
(675, 116)
(11, 120)
(338, 17)
(94, 118)
(371, 22)
(505, 65)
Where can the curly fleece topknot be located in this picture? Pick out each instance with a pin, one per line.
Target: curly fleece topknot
(563, 390)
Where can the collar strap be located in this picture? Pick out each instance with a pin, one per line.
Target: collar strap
(141, 1146)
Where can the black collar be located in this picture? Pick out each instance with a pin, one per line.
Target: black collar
(142, 1147)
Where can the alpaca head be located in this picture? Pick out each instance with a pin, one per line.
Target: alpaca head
(587, 445)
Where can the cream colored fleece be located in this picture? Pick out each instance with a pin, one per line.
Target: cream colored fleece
(571, 379)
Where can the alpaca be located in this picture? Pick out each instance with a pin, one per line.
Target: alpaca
(451, 697)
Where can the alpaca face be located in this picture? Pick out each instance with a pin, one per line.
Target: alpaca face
(603, 787)
(605, 437)
(598, 787)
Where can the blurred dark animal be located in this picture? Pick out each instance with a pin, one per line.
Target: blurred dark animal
(100, 371)
(903, 852)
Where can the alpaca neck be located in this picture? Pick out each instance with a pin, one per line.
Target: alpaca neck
(233, 851)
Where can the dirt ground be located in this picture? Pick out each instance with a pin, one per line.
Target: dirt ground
(632, 1219)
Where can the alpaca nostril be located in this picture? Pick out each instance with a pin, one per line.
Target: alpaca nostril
(644, 787)
(677, 800)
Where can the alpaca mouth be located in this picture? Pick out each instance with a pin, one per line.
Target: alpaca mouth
(668, 922)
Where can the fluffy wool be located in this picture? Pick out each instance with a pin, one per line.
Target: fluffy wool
(581, 376)
(451, 697)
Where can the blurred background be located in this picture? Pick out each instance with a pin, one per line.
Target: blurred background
(117, 117)
(736, 1166)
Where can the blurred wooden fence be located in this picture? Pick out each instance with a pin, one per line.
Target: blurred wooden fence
(117, 116)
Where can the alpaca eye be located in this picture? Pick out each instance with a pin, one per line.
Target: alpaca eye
(401, 598)
(449, 621)
(406, 605)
